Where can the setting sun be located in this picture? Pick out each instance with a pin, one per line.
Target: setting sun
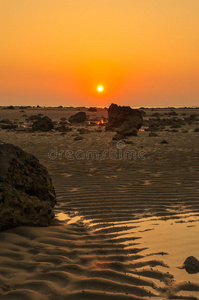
(100, 88)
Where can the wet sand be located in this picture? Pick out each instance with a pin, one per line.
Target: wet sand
(123, 226)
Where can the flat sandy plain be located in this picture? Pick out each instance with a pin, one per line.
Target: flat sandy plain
(126, 219)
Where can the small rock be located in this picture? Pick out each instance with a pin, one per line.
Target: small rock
(196, 129)
(9, 126)
(118, 137)
(43, 124)
(78, 138)
(83, 130)
(191, 265)
(63, 128)
(80, 117)
(163, 142)
(92, 109)
(153, 134)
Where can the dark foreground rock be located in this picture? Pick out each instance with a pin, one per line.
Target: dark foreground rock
(191, 265)
(43, 124)
(80, 117)
(27, 196)
(124, 120)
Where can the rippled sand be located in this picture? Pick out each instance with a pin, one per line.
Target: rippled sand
(123, 227)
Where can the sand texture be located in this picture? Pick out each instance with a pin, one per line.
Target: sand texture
(124, 224)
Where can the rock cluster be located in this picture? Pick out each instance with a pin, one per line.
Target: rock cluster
(80, 117)
(43, 124)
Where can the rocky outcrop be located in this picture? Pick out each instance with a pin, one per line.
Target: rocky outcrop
(27, 196)
(43, 124)
(80, 117)
(124, 120)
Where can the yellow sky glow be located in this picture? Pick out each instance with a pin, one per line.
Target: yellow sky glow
(56, 52)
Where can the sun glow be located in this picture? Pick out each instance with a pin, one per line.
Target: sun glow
(100, 88)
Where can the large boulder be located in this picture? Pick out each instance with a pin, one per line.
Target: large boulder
(27, 196)
(80, 117)
(124, 119)
(43, 124)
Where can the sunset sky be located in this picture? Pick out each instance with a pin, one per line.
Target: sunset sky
(57, 52)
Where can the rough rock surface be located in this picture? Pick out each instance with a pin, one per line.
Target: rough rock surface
(27, 196)
(118, 137)
(127, 128)
(43, 124)
(124, 119)
(153, 134)
(191, 265)
(80, 117)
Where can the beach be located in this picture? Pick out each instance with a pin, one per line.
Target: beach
(127, 212)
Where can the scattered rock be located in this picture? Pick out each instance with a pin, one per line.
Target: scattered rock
(22, 107)
(9, 107)
(43, 124)
(80, 117)
(92, 109)
(5, 121)
(191, 265)
(83, 130)
(153, 134)
(118, 137)
(78, 138)
(173, 130)
(21, 129)
(163, 142)
(175, 126)
(8, 126)
(63, 128)
(196, 129)
(33, 117)
(27, 196)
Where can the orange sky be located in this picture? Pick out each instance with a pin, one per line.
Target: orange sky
(144, 52)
